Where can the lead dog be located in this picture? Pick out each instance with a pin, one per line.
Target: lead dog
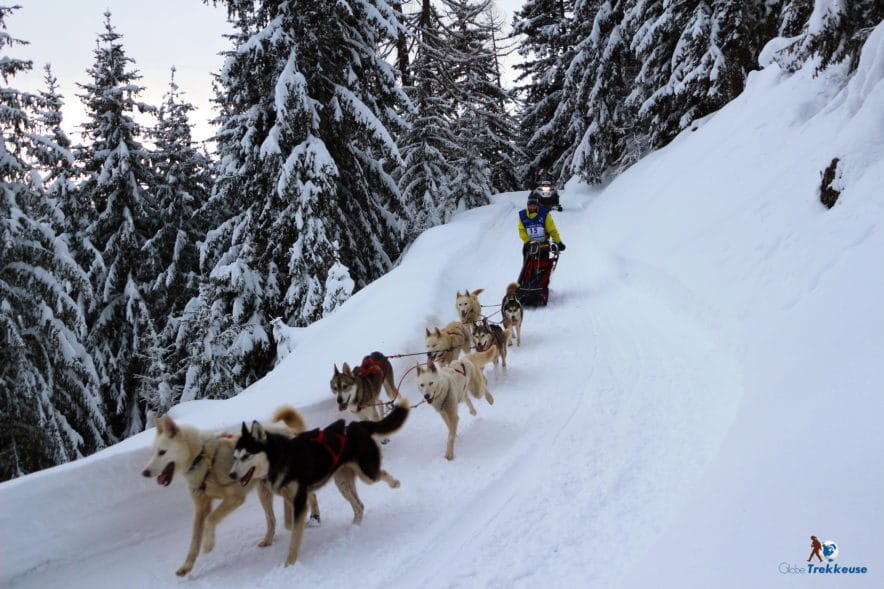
(204, 460)
(446, 344)
(360, 388)
(512, 312)
(467, 306)
(446, 387)
(296, 467)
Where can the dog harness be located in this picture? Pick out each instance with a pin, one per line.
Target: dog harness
(370, 366)
(336, 456)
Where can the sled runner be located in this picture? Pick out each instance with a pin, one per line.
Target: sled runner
(537, 268)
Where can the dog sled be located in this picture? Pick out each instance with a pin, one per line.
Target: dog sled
(537, 268)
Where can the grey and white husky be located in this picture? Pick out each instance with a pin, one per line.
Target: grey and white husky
(512, 312)
(360, 388)
(486, 335)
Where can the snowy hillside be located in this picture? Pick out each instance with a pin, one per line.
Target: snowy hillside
(703, 393)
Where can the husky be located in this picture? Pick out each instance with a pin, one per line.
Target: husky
(360, 388)
(296, 467)
(446, 387)
(446, 344)
(467, 304)
(486, 335)
(204, 459)
(512, 312)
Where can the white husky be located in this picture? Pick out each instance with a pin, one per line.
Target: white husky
(446, 387)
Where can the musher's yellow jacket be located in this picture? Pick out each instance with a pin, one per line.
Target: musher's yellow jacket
(549, 225)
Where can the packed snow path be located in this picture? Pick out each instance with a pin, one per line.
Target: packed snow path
(607, 412)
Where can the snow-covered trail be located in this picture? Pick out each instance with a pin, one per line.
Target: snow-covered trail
(608, 411)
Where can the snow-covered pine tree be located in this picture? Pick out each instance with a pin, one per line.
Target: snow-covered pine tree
(695, 57)
(307, 106)
(793, 17)
(70, 215)
(49, 412)
(485, 132)
(502, 151)
(182, 174)
(116, 176)
(546, 29)
(594, 116)
(645, 70)
(426, 173)
(53, 154)
(834, 32)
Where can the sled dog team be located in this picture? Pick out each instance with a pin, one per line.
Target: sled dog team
(282, 457)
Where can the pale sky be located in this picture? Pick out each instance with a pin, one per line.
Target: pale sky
(157, 34)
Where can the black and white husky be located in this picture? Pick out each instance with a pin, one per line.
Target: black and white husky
(296, 467)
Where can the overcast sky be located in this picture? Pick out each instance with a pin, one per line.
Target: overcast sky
(157, 34)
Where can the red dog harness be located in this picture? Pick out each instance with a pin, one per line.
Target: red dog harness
(371, 366)
(336, 456)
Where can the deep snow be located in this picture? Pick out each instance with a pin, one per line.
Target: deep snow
(703, 393)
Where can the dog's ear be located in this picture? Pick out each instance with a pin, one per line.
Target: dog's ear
(245, 430)
(419, 369)
(347, 370)
(168, 426)
(437, 333)
(257, 432)
(431, 366)
(157, 423)
(478, 292)
(427, 329)
(336, 369)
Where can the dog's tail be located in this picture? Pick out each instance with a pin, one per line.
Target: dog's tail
(513, 287)
(480, 359)
(291, 417)
(389, 424)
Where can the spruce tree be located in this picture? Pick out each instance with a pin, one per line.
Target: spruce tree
(426, 145)
(116, 175)
(489, 157)
(546, 29)
(308, 109)
(834, 32)
(48, 410)
(182, 181)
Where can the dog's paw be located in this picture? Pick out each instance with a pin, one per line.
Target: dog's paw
(265, 543)
(385, 441)
(184, 569)
(314, 521)
(449, 456)
(489, 398)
